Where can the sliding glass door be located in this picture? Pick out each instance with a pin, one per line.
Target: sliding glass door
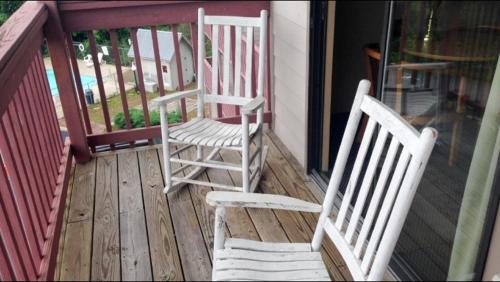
(441, 70)
(437, 64)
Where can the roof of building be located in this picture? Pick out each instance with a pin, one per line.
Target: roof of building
(165, 42)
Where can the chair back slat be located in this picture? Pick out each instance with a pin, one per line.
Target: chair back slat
(368, 251)
(366, 185)
(356, 171)
(248, 62)
(215, 58)
(386, 209)
(377, 195)
(237, 62)
(232, 74)
(227, 57)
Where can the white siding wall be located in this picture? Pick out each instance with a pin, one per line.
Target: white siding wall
(290, 70)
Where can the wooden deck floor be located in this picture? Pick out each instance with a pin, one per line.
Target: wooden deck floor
(119, 225)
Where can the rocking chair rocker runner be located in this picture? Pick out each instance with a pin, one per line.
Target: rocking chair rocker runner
(366, 252)
(205, 132)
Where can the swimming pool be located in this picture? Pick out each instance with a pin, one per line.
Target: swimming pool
(87, 81)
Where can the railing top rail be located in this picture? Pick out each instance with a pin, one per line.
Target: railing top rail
(20, 38)
(31, 15)
(89, 15)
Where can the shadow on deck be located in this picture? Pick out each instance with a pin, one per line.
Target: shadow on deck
(119, 224)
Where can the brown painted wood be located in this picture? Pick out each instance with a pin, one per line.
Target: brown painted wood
(42, 188)
(119, 75)
(106, 236)
(40, 211)
(64, 79)
(100, 84)
(140, 76)
(48, 127)
(49, 259)
(78, 82)
(21, 36)
(29, 107)
(12, 233)
(62, 234)
(156, 50)
(162, 242)
(135, 256)
(48, 149)
(195, 259)
(49, 102)
(22, 203)
(75, 16)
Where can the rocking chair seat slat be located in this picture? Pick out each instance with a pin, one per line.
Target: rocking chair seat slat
(207, 132)
(253, 260)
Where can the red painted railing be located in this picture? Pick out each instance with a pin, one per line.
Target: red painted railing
(34, 160)
(89, 17)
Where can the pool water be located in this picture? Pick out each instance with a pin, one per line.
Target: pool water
(87, 81)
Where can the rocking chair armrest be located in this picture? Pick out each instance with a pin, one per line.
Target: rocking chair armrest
(175, 96)
(253, 105)
(253, 200)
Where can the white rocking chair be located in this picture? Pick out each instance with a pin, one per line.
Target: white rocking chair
(366, 256)
(205, 132)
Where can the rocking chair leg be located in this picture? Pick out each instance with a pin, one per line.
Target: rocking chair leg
(166, 148)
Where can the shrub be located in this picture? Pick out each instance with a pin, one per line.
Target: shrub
(137, 118)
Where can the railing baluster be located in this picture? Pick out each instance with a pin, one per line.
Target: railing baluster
(50, 104)
(10, 230)
(40, 214)
(41, 122)
(180, 77)
(31, 245)
(42, 186)
(36, 138)
(100, 85)
(142, 90)
(49, 126)
(40, 125)
(119, 75)
(24, 190)
(156, 50)
(6, 269)
(78, 82)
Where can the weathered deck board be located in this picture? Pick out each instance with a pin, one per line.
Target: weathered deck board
(171, 237)
(162, 245)
(135, 258)
(106, 237)
(76, 256)
(195, 259)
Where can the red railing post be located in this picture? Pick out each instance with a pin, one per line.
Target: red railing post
(59, 56)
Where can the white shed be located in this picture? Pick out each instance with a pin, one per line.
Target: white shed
(167, 58)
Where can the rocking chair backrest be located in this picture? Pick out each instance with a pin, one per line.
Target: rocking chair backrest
(222, 27)
(367, 253)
